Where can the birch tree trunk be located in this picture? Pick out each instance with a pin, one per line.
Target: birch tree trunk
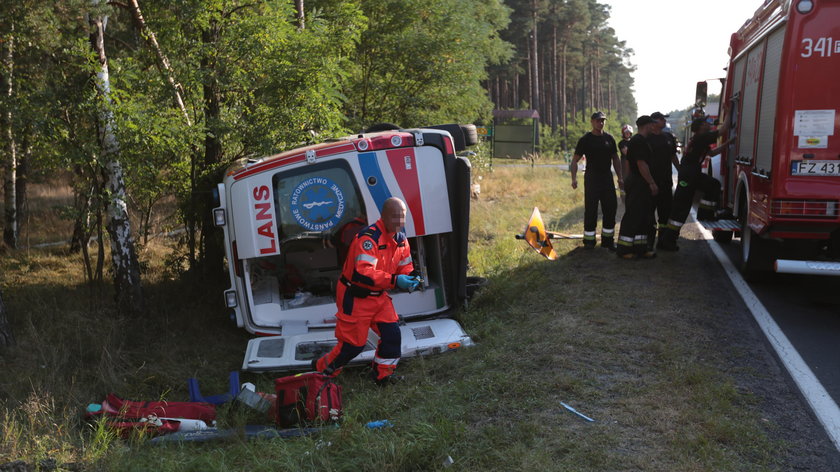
(163, 61)
(126, 269)
(10, 229)
(301, 18)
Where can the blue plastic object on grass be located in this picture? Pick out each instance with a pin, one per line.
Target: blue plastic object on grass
(379, 424)
(196, 396)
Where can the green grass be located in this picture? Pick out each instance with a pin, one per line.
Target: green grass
(585, 329)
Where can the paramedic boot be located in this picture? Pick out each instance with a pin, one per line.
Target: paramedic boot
(383, 375)
(320, 365)
(387, 380)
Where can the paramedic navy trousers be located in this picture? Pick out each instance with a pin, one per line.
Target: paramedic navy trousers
(355, 316)
(597, 191)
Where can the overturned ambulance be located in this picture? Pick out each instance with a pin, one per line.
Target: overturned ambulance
(288, 220)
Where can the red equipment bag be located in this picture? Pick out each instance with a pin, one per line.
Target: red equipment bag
(156, 417)
(307, 397)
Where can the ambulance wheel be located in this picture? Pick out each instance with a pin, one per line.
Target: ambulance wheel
(756, 252)
(723, 237)
(470, 134)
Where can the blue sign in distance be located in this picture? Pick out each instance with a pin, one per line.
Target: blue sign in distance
(317, 204)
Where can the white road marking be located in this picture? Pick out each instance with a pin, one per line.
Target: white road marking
(825, 408)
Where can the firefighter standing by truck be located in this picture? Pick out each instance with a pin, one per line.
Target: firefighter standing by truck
(599, 148)
(640, 186)
(692, 178)
(379, 259)
(664, 147)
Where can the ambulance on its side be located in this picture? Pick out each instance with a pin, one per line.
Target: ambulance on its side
(288, 220)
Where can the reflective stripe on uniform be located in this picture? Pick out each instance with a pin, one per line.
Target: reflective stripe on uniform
(608, 232)
(589, 235)
(405, 261)
(674, 224)
(625, 240)
(366, 258)
(707, 204)
(384, 361)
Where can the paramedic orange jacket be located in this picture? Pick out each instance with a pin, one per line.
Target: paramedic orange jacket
(373, 263)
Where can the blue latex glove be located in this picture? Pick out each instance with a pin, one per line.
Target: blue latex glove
(407, 282)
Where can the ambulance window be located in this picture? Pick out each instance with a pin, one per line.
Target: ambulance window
(321, 198)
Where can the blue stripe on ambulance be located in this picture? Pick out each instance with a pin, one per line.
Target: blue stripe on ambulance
(370, 168)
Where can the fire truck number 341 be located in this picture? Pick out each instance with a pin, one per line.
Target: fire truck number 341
(820, 47)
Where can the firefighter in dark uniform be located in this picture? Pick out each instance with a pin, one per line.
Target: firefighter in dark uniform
(599, 148)
(626, 134)
(640, 187)
(378, 259)
(664, 147)
(692, 178)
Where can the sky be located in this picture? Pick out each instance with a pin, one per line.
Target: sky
(668, 58)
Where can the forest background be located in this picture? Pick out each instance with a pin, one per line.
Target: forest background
(139, 108)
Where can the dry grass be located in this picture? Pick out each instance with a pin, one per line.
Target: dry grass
(602, 335)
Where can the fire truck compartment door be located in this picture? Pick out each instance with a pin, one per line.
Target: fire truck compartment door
(288, 353)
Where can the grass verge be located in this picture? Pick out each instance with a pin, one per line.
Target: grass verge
(607, 337)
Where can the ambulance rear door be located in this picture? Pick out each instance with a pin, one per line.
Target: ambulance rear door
(296, 352)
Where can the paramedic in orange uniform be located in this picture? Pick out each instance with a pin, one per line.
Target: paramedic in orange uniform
(379, 259)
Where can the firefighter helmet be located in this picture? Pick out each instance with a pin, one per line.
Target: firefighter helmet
(626, 129)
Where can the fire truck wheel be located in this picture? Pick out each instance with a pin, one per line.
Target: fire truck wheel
(756, 252)
(723, 237)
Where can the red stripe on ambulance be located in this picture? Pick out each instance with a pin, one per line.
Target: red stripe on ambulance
(404, 166)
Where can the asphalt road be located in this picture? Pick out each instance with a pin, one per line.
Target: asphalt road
(807, 309)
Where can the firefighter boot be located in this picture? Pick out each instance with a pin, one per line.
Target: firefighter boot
(588, 239)
(706, 210)
(608, 238)
(624, 249)
(667, 239)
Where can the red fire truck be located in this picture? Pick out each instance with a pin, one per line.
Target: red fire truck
(288, 220)
(781, 176)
